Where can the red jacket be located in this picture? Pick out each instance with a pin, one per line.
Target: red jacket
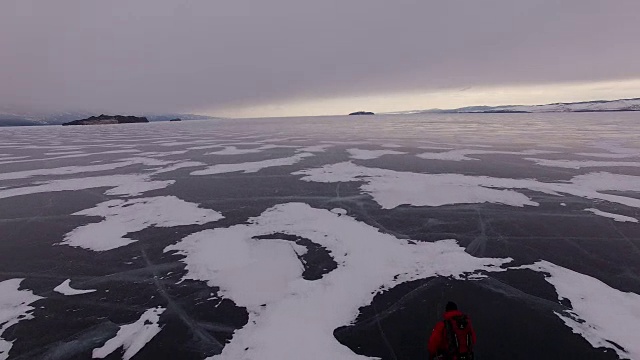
(438, 340)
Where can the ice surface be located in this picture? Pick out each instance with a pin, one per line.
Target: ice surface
(126, 216)
(293, 318)
(600, 314)
(247, 278)
(616, 217)
(66, 289)
(132, 337)
(15, 306)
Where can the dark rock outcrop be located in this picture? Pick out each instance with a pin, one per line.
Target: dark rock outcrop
(108, 119)
(362, 113)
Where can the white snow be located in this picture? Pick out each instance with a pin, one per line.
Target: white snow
(205, 147)
(178, 166)
(155, 154)
(613, 105)
(136, 188)
(461, 154)
(71, 169)
(232, 150)
(15, 306)
(3, 160)
(251, 167)
(132, 337)
(293, 318)
(339, 211)
(363, 154)
(393, 188)
(608, 181)
(80, 155)
(616, 217)
(315, 148)
(66, 289)
(55, 153)
(125, 185)
(126, 216)
(577, 164)
(610, 155)
(599, 312)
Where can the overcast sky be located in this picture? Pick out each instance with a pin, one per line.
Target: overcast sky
(298, 57)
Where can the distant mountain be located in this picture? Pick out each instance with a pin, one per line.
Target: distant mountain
(17, 116)
(584, 106)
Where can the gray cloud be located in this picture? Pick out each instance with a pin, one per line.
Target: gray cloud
(161, 55)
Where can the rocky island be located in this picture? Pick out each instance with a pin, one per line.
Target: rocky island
(362, 113)
(108, 119)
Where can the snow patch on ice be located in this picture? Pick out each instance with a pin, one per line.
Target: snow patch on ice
(232, 150)
(362, 154)
(294, 318)
(600, 313)
(132, 337)
(66, 289)
(15, 306)
(393, 188)
(577, 164)
(126, 216)
(251, 167)
(607, 181)
(461, 154)
(610, 155)
(67, 170)
(178, 166)
(616, 217)
(315, 149)
(339, 211)
(125, 185)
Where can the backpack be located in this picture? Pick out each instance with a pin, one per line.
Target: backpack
(459, 338)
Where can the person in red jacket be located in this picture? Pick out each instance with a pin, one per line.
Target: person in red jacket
(452, 338)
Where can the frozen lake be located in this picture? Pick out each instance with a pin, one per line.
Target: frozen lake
(321, 238)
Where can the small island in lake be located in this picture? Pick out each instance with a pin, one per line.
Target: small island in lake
(362, 113)
(108, 119)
